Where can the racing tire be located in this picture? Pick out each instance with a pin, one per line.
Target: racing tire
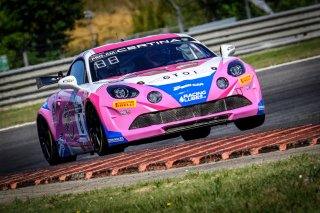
(48, 145)
(197, 133)
(96, 132)
(250, 122)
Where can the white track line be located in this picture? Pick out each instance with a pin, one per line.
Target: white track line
(258, 70)
(17, 126)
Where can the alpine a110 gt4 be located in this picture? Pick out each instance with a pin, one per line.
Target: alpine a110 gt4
(142, 88)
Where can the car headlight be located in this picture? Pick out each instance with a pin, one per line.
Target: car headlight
(122, 92)
(236, 68)
(154, 97)
(222, 83)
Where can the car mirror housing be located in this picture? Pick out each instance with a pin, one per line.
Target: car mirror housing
(227, 50)
(68, 82)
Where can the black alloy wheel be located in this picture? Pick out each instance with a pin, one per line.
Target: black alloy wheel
(96, 132)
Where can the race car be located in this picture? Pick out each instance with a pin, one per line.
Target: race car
(124, 92)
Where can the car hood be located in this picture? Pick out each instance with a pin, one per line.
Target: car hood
(177, 73)
(188, 83)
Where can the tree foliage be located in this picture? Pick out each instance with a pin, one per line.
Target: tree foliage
(151, 14)
(38, 27)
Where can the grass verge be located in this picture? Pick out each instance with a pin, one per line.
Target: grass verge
(21, 115)
(261, 59)
(285, 54)
(291, 185)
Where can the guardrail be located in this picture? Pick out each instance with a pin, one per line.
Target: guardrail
(18, 86)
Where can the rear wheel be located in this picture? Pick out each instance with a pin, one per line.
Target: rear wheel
(250, 122)
(196, 133)
(48, 144)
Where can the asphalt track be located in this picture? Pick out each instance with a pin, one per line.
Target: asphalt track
(292, 98)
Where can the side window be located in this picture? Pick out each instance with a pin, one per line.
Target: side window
(79, 72)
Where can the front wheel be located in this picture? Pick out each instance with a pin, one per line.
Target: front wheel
(250, 122)
(193, 134)
(96, 132)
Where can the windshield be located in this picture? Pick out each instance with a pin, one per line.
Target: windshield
(145, 56)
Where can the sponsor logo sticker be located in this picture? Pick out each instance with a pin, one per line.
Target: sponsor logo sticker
(116, 140)
(124, 104)
(245, 79)
(188, 85)
(193, 96)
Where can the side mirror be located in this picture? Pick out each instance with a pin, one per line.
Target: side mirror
(68, 82)
(227, 50)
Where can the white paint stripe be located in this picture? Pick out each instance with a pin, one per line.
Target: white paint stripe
(17, 126)
(258, 70)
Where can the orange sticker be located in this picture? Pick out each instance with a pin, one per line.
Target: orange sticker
(245, 79)
(124, 104)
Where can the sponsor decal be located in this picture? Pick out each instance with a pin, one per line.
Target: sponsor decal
(63, 148)
(138, 46)
(189, 92)
(177, 75)
(68, 81)
(125, 112)
(245, 79)
(193, 96)
(116, 140)
(67, 117)
(175, 88)
(124, 104)
(260, 107)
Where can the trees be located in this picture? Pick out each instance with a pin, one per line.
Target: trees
(37, 27)
(151, 14)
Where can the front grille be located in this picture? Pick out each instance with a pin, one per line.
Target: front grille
(183, 113)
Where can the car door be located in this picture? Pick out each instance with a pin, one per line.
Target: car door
(71, 116)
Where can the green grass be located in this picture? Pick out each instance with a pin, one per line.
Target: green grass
(257, 60)
(292, 185)
(293, 52)
(21, 115)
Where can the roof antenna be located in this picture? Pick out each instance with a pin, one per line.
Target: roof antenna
(117, 36)
(121, 39)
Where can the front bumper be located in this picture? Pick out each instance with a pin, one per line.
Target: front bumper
(188, 112)
(181, 119)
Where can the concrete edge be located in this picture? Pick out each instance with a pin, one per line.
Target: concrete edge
(80, 186)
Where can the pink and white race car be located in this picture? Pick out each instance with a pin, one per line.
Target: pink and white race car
(165, 84)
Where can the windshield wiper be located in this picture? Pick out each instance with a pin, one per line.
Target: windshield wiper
(124, 77)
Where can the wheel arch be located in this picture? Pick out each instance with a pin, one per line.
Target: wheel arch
(92, 102)
(46, 116)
